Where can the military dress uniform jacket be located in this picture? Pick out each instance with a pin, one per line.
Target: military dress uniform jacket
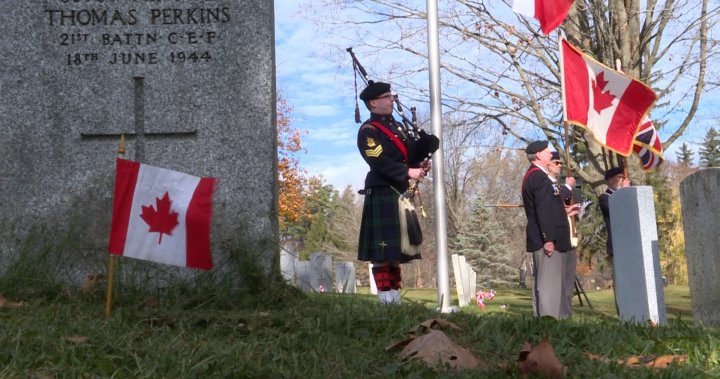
(387, 163)
(565, 193)
(603, 201)
(380, 239)
(545, 211)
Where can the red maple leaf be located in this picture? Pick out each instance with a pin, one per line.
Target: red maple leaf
(603, 100)
(161, 221)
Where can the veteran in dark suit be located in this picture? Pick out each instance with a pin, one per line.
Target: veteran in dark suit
(548, 236)
(554, 170)
(395, 155)
(615, 179)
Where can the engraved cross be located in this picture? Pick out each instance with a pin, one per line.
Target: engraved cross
(140, 135)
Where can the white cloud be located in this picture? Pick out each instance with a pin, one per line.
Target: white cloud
(318, 110)
(340, 170)
(339, 135)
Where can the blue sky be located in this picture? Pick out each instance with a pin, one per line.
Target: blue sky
(321, 93)
(322, 97)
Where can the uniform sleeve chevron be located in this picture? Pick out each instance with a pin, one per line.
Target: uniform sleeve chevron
(374, 152)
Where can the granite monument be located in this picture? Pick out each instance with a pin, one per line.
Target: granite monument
(189, 83)
(700, 201)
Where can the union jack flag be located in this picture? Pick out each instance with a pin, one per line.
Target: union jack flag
(647, 145)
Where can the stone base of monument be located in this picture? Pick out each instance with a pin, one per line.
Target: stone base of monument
(638, 280)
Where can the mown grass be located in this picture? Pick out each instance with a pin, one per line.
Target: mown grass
(203, 333)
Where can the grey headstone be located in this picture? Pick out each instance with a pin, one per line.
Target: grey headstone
(465, 280)
(345, 277)
(190, 83)
(303, 275)
(460, 273)
(638, 280)
(700, 199)
(321, 278)
(287, 265)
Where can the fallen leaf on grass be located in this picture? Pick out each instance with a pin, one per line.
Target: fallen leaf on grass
(421, 328)
(430, 324)
(76, 339)
(654, 361)
(540, 360)
(434, 347)
(5, 303)
(651, 361)
(437, 349)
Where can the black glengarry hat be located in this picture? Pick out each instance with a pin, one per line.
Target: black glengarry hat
(536, 147)
(612, 172)
(373, 90)
(555, 156)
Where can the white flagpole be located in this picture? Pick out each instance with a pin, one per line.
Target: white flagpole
(443, 282)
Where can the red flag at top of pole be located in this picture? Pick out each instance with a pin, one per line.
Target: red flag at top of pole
(550, 13)
(606, 102)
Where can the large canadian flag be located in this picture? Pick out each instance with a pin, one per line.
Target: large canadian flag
(550, 13)
(161, 215)
(608, 103)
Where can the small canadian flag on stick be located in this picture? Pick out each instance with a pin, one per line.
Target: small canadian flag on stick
(161, 215)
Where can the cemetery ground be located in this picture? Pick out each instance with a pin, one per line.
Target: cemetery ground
(277, 331)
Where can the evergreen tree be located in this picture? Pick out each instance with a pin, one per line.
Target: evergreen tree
(480, 241)
(344, 224)
(685, 155)
(710, 150)
(321, 202)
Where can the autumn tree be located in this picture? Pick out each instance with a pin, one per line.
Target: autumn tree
(291, 177)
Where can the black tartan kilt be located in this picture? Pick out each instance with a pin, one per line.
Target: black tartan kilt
(380, 227)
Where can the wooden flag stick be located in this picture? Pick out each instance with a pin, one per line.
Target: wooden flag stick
(571, 219)
(108, 302)
(111, 266)
(504, 205)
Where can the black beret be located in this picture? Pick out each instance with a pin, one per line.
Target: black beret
(536, 147)
(612, 172)
(373, 90)
(555, 156)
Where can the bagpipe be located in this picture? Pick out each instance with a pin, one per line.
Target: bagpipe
(411, 233)
(410, 124)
